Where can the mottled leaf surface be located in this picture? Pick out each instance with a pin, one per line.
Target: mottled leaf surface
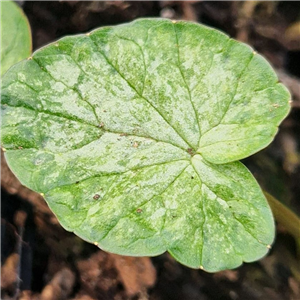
(133, 133)
(15, 35)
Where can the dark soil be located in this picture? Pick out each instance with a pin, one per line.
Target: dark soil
(56, 264)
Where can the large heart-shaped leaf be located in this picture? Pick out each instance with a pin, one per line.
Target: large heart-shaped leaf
(15, 35)
(132, 132)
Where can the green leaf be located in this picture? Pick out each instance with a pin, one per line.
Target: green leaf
(132, 132)
(15, 35)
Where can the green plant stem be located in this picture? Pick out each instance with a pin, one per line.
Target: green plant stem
(285, 217)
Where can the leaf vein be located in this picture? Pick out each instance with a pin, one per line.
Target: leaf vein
(233, 96)
(117, 173)
(143, 56)
(142, 97)
(204, 218)
(185, 82)
(143, 203)
(71, 88)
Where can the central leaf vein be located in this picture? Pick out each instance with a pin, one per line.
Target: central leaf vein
(184, 80)
(141, 96)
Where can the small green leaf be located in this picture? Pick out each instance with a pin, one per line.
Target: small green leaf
(132, 134)
(15, 35)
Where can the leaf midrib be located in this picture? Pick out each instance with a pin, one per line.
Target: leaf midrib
(140, 95)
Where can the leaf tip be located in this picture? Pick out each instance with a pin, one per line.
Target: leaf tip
(269, 246)
(201, 268)
(3, 149)
(96, 244)
(29, 58)
(42, 194)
